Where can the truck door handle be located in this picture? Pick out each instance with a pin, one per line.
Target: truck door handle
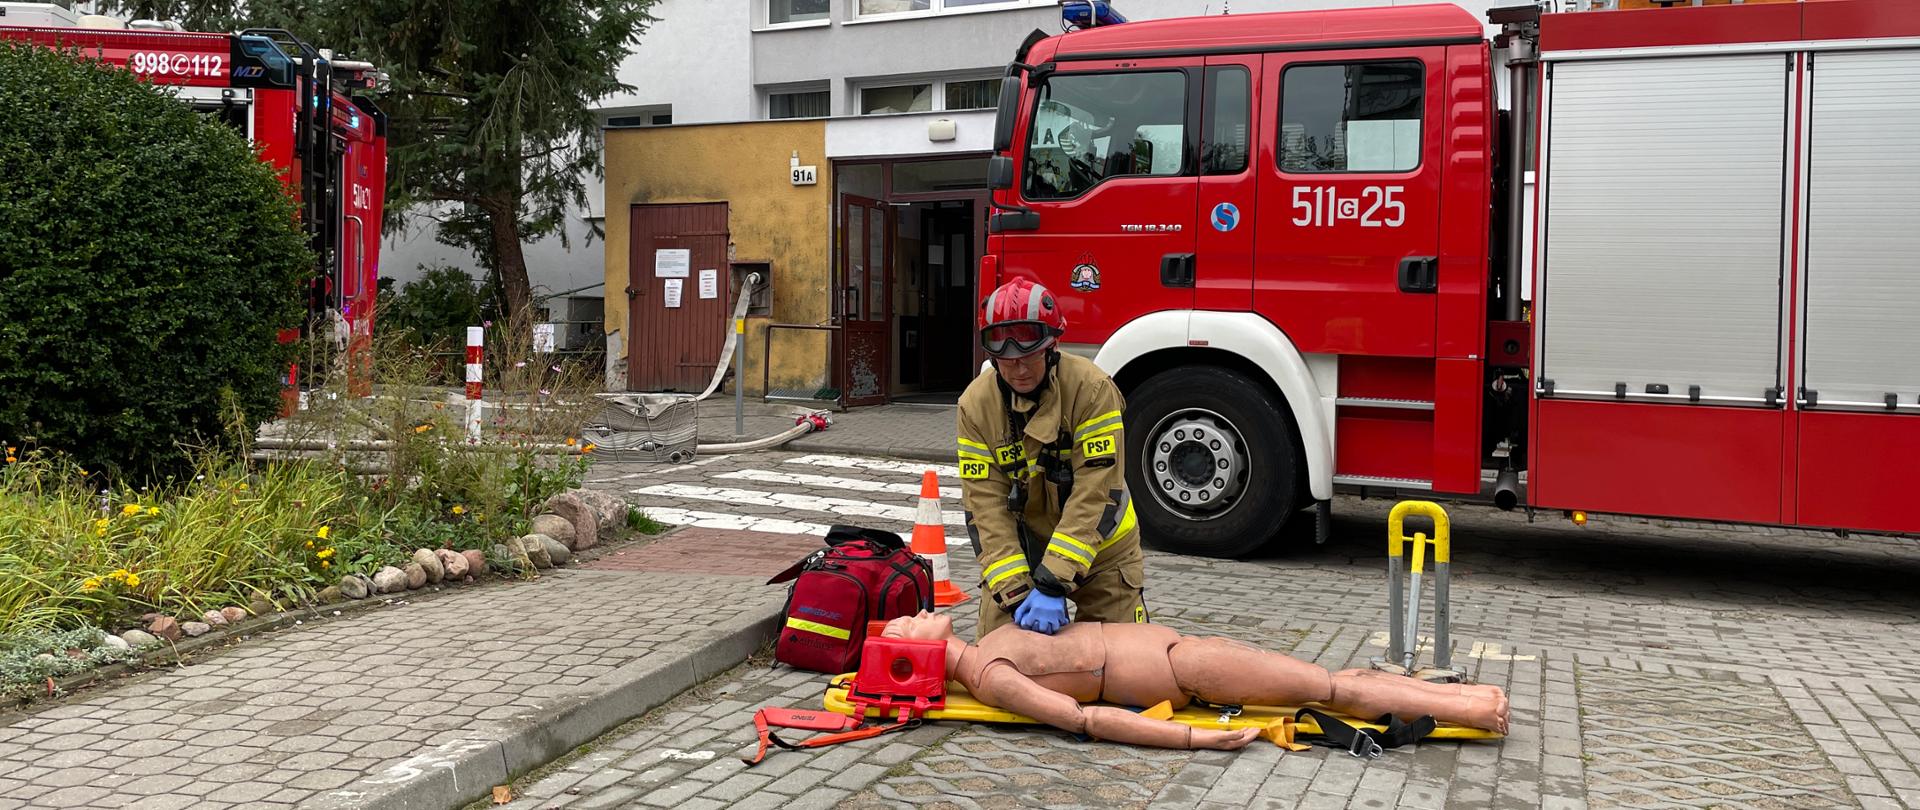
(1176, 270)
(1420, 274)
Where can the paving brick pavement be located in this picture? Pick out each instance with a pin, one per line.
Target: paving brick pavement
(1647, 664)
(425, 704)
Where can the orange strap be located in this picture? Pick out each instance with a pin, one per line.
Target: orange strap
(848, 728)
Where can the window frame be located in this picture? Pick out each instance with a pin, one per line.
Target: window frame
(1207, 110)
(1190, 137)
(767, 110)
(1280, 115)
(935, 96)
(992, 82)
(939, 8)
(766, 6)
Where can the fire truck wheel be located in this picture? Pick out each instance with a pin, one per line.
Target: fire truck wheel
(1212, 463)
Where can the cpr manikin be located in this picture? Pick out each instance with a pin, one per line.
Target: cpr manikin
(1047, 678)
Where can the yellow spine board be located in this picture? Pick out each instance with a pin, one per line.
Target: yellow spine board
(1275, 722)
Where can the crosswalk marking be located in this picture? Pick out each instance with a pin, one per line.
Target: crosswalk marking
(945, 471)
(832, 482)
(748, 523)
(797, 502)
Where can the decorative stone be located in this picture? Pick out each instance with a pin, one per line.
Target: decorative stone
(330, 595)
(572, 509)
(556, 527)
(138, 638)
(353, 587)
(196, 629)
(116, 642)
(165, 627)
(608, 510)
(555, 551)
(214, 618)
(390, 580)
(430, 563)
(476, 563)
(416, 577)
(46, 658)
(515, 554)
(453, 562)
(260, 607)
(233, 614)
(535, 546)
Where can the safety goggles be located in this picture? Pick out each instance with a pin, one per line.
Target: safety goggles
(1012, 339)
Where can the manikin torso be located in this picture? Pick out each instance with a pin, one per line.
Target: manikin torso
(1124, 664)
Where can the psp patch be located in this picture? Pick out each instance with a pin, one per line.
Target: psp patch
(1097, 446)
(973, 469)
(1010, 455)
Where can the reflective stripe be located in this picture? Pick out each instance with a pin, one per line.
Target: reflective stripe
(1126, 525)
(822, 629)
(998, 572)
(973, 449)
(1110, 421)
(1103, 430)
(1071, 549)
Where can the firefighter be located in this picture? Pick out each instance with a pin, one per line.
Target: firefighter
(1041, 475)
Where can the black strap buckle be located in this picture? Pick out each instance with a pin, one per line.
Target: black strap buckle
(1364, 746)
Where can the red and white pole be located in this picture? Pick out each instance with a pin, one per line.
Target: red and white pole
(475, 338)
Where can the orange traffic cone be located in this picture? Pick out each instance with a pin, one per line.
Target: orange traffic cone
(930, 541)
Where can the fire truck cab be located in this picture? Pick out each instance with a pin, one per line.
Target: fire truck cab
(309, 115)
(1299, 242)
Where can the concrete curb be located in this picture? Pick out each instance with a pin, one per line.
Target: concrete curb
(456, 773)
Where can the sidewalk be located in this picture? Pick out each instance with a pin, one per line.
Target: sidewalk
(421, 705)
(901, 431)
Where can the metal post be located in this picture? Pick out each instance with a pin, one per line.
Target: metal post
(1521, 64)
(1442, 643)
(1396, 633)
(476, 337)
(1413, 602)
(739, 378)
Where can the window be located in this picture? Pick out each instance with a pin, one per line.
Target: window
(809, 104)
(792, 11)
(902, 99)
(1351, 118)
(1090, 127)
(868, 8)
(893, 6)
(982, 94)
(1225, 151)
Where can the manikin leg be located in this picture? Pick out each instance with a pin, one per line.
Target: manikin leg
(1219, 670)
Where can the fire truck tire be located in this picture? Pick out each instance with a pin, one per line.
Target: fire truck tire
(1212, 462)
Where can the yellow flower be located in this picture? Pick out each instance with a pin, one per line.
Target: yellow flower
(100, 524)
(309, 544)
(130, 510)
(324, 531)
(324, 553)
(572, 442)
(325, 564)
(120, 574)
(459, 510)
(11, 459)
(243, 486)
(588, 448)
(92, 583)
(153, 510)
(100, 531)
(133, 580)
(423, 428)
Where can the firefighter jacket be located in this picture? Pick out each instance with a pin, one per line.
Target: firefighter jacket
(1008, 441)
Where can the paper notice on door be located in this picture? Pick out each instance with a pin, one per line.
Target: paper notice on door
(672, 262)
(710, 284)
(672, 295)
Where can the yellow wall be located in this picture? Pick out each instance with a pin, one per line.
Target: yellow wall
(768, 219)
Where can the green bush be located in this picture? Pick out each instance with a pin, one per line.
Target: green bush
(147, 261)
(435, 309)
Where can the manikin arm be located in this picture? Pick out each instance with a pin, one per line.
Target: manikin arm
(1005, 687)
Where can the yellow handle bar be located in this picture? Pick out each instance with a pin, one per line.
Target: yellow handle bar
(1397, 533)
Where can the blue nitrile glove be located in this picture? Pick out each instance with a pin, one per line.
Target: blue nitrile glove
(1041, 613)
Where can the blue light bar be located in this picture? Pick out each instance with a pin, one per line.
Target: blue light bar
(1089, 13)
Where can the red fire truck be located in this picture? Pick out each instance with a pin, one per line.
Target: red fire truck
(1671, 276)
(307, 114)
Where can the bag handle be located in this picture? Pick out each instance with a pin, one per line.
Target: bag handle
(841, 535)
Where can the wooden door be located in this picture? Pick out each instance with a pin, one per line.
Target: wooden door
(675, 336)
(866, 255)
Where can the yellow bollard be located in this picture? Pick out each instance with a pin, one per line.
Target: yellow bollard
(1404, 629)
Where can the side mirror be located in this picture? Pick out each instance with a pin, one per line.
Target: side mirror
(999, 172)
(1009, 108)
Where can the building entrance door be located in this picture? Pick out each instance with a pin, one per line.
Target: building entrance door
(866, 257)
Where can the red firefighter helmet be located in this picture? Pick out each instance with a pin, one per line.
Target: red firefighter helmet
(1019, 319)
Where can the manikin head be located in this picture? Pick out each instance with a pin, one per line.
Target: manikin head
(923, 625)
